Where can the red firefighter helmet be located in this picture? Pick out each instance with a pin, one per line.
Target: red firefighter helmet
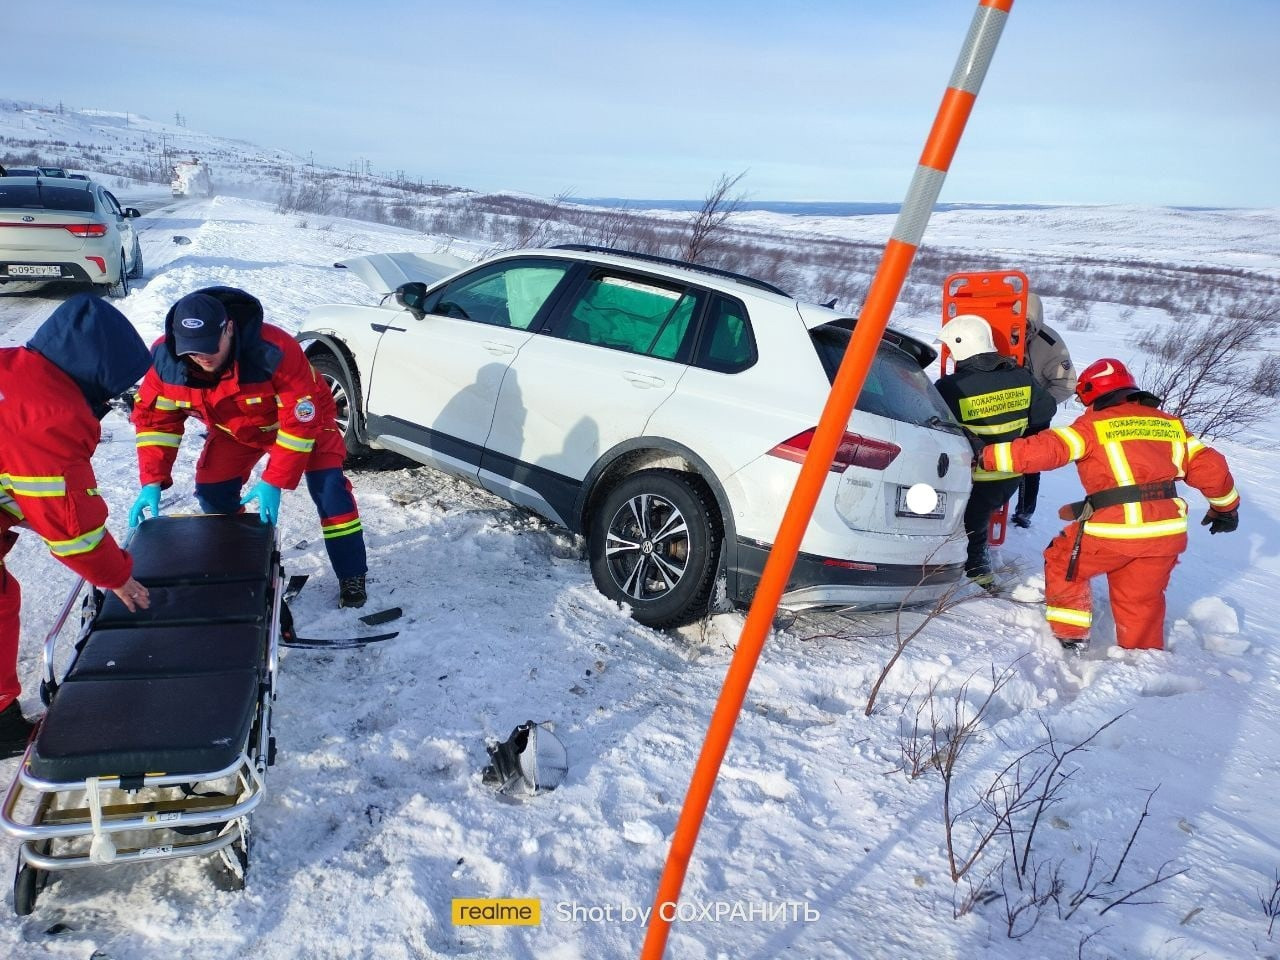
(1101, 377)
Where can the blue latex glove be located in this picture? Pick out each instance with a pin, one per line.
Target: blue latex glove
(148, 498)
(268, 497)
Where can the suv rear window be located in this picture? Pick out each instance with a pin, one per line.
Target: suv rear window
(45, 198)
(896, 387)
(638, 315)
(728, 345)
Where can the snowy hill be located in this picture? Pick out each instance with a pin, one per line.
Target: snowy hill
(127, 144)
(825, 837)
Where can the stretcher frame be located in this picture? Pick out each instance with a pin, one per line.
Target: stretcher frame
(138, 817)
(1000, 298)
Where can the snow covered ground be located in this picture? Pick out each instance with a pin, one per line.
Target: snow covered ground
(817, 844)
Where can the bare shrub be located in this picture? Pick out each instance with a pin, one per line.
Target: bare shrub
(1266, 377)
(1271, 905)
(710, 219)
(534, 226)
(950, 599)
(1010, 810)
(1211, 376)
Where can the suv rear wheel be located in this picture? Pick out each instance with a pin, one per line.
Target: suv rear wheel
(653, 543)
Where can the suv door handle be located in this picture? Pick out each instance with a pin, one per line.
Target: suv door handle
(498, 348)
(643, 379)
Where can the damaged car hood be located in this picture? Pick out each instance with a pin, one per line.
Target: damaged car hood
(384, 272)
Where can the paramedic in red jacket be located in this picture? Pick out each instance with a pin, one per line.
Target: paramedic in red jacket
(255, 392)
(53, 392)
(1132, 525)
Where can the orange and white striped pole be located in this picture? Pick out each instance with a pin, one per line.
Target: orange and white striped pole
(953, 114)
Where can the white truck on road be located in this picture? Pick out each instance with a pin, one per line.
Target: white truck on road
(191, 178)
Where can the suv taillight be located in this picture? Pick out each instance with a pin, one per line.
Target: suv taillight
(855, 450)
(87, 229)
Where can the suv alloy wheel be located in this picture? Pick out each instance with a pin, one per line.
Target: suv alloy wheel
(654, 542)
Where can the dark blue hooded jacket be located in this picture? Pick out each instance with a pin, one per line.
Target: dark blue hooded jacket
(96, 346)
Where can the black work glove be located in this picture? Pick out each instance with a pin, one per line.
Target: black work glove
(1221, 522)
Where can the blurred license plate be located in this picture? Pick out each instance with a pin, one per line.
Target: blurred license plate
(21, 270)
(937, 513)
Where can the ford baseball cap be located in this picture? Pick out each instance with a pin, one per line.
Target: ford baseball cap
(198, 320)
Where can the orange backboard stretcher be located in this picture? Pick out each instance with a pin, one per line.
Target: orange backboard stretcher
(1000, 298)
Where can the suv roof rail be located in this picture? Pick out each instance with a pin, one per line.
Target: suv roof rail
(672, 262)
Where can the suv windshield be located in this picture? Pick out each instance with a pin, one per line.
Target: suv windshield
(45, 197)
(896, 387)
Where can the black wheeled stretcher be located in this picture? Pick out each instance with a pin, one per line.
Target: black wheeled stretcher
(156, 742)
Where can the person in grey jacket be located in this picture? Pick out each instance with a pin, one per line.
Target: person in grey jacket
(1050, 364)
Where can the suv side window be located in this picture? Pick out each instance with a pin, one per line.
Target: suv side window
(727, 344)
(637, 315)
(508, 294)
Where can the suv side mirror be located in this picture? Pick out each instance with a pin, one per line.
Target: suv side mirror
(132, 212)
(412, 296)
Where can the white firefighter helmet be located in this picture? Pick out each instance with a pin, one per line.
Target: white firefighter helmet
(967, 336)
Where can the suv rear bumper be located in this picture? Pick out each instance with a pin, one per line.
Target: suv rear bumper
(831, 582)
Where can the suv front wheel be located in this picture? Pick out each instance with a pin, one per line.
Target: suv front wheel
(653, 543)
(345, 401)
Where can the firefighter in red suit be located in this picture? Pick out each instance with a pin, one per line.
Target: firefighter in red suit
(252, 386)
(53, 392)
(1131, 526)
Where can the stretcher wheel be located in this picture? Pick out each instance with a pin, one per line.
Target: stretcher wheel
(26, 887)
(233, 867)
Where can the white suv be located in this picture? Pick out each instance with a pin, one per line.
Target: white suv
(659, 408)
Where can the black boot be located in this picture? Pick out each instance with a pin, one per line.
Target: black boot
(15, 731)
(351, 592)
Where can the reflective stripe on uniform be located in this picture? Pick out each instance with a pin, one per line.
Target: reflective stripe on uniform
(1074, 442)
(1002, 456)
(1075, 618)
(164, 403)
(82, 544)
(1119, 429)
(10, 506)
(342, 529)
(34, 486)
(154, 438)
(1138, 531)
(1223, 500)
(993, 428)
(296, 444)
(1012, 400)
(982, 474)
(1124, 478)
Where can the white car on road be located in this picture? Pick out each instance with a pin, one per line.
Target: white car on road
(662, 410)
(65, 229)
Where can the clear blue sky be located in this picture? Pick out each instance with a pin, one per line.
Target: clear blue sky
(1095, 101)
